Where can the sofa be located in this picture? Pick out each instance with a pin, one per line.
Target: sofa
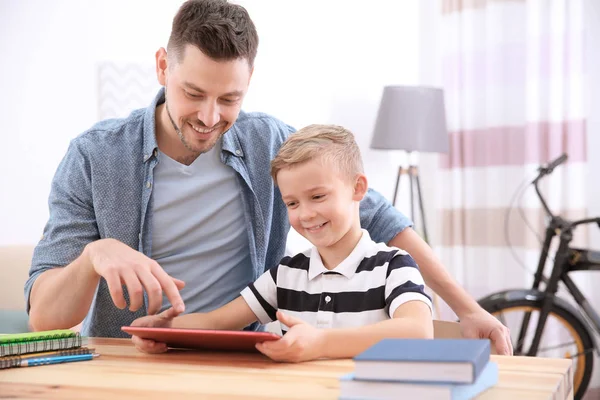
(14, 270)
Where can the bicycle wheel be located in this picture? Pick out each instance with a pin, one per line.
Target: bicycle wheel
(563, 336)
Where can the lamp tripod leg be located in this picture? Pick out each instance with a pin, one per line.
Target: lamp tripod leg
(412, 195)
(397, 185)
(422, 209)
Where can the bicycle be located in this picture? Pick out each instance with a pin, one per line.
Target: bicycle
(545, 304)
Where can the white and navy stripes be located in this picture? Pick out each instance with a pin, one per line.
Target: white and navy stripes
(367, 287)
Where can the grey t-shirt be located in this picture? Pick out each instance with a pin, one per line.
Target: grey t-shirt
(198, 232)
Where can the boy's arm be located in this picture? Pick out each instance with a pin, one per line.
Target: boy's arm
(411, 320)
(304, 342)
(234, 315)
(237, 314)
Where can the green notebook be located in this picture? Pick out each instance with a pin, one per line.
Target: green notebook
(36, 336)
(15, 344)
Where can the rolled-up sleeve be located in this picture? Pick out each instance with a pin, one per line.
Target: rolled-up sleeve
(380, 218)
(71, 224)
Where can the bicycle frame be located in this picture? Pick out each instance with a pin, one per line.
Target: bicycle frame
(566, 260)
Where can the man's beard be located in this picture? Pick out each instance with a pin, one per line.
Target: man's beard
(179, 133)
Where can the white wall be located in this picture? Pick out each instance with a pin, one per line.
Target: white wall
(319, 62)
(49, 51)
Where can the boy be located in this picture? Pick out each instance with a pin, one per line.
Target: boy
(341, 296)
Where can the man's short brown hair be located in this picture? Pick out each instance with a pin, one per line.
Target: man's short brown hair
(221, 30)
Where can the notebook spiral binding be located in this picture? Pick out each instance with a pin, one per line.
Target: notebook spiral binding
(15, 361)
(42, 343)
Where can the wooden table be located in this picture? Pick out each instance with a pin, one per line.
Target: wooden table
(121, 372)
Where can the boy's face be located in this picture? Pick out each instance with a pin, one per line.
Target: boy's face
(203, 96)
(322, 205)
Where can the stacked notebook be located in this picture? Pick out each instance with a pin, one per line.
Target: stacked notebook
(41, 348)
(440, 369)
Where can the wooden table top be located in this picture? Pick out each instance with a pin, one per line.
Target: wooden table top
(121, 372)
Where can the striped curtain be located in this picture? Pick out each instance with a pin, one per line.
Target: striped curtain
(514, 78)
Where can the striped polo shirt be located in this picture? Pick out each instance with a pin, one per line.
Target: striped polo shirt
(365, 288)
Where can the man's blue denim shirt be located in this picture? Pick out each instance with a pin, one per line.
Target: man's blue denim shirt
(103, 189)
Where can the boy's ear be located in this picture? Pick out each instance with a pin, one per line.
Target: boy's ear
(360, 187)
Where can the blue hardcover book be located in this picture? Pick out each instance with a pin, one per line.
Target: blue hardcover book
(421, 360)
(353, 389)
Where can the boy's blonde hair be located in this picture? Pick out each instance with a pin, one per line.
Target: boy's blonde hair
(330, 143)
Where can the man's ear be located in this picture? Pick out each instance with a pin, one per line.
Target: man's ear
(162, 64)
(360, 187)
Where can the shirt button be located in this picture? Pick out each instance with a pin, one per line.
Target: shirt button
(148, 184)
(238, 152)
(327, 299)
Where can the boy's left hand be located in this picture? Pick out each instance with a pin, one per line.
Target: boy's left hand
(302, 342)
(162, 320)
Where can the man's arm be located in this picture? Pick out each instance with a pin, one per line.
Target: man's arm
(70, 259)
(386, 224)
(61, 284)
(475, 321)
(434, 273)
(61, 297)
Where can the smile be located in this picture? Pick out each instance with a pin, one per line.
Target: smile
(316, 227)
(204, 131)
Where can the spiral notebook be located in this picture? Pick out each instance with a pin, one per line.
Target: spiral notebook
(35, 342)
(16, 361)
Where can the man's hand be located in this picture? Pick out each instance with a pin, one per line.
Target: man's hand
(120, 265)
(162, 320)
(482, 325)
(302, 342)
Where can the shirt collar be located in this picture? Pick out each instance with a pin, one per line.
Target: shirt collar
(346, 267)
(149, 131)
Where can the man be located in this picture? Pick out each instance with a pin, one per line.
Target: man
(181, 192)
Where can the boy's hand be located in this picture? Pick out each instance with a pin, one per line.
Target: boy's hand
(162, 320)
(302, 342)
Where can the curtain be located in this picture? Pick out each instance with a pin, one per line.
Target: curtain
(514, 80)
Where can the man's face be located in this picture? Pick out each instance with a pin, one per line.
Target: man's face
(203, 96)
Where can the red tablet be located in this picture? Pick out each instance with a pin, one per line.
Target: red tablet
(203, 339)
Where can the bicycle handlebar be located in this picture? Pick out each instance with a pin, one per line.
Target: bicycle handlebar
(547, 170)
(553, 164)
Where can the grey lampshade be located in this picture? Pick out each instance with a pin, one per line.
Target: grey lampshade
(411, 118)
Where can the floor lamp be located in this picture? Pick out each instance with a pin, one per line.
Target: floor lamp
(413, 119)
